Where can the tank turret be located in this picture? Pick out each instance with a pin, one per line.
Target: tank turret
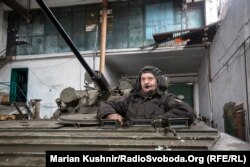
(86, 101)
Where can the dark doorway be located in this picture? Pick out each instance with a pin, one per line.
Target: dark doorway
(19, 85)
(184, 89)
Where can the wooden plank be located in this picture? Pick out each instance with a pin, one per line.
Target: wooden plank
(7, 117)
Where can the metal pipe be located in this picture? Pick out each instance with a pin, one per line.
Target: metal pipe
(247, 91)
(103, 36)
(95, 52)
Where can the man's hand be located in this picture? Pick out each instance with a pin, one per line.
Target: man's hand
(115, 117)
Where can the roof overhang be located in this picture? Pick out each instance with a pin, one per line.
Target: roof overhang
(173, 61)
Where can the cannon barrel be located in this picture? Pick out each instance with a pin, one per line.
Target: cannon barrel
(96, 76)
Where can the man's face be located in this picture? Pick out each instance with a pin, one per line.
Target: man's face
(148, 82)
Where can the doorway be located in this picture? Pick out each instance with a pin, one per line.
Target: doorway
(19, 85)
(183, 89)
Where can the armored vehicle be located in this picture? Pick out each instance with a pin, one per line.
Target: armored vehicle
(86, 101)
(76, 128)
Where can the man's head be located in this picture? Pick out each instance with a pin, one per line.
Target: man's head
(150, 80)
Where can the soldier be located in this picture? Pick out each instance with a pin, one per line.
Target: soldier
(147, 100)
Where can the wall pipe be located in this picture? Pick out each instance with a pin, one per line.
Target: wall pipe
(103, 35)
(247, 91)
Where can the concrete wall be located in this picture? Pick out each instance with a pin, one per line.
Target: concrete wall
(204, 90)
(48, 75)
(229, 55)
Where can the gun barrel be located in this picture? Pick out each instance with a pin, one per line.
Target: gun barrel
(100, 81)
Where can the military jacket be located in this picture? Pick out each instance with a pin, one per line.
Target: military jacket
(136, 106)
